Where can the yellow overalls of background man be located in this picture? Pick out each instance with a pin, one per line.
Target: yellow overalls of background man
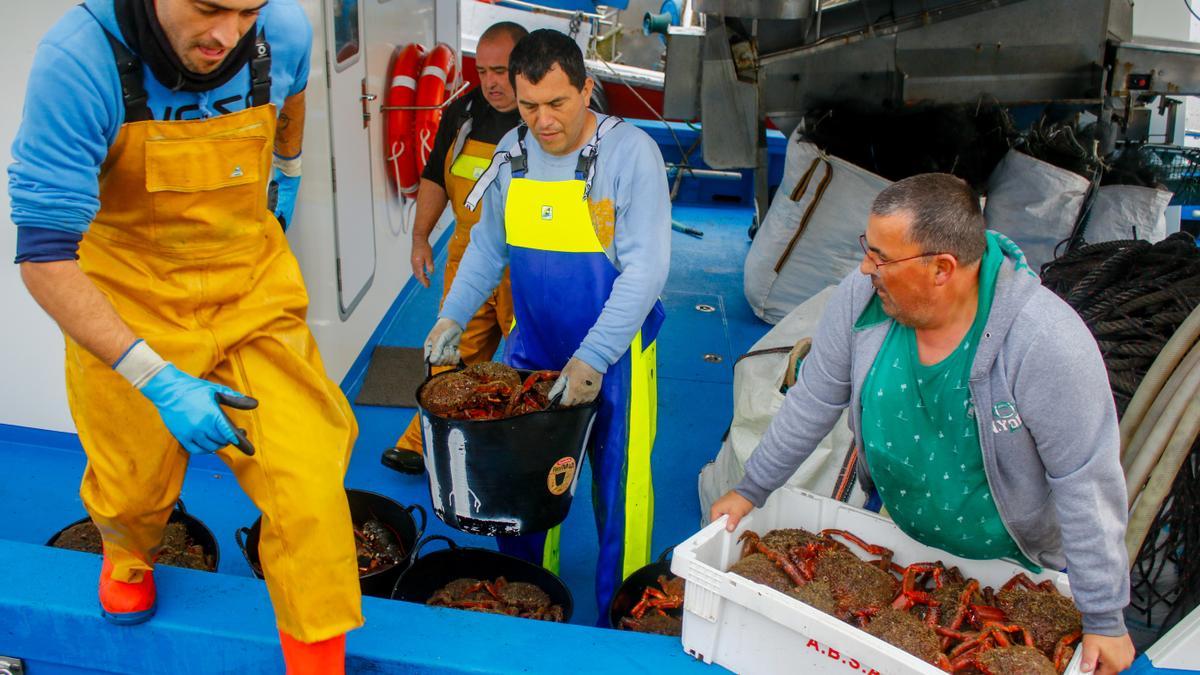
(145, 229)
(462, 149)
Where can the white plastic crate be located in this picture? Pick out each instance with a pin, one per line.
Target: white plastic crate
(751, 628)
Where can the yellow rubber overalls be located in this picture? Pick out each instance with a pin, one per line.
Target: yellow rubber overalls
(465, 162)
(193, 261)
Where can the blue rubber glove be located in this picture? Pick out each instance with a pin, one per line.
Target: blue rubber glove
(284, 188)
(191, 409)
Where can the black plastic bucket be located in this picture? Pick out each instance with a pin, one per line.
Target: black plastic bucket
(363, 506)
(198, 531)
(630, 591)
(426, 574)
(504, 477)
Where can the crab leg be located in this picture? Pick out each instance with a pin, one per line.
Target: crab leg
(1063, 651)
(884, 553)
(1023, 580)
(960, 611)
(753, 543)
(648, 597)
(910, 594)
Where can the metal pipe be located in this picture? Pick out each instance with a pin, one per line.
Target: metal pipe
(705, 173)
(542, 9)
(449, 99)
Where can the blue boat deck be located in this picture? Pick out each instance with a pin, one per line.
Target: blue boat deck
(217, 623)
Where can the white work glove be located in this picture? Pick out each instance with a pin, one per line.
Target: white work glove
(441, 345)
(578, 383)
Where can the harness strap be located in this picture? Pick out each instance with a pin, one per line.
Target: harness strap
(585, 167)
(133, 88)
(260, 71)
(464, 130)
(129, 70)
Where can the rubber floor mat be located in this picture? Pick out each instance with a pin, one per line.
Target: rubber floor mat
(392, 378)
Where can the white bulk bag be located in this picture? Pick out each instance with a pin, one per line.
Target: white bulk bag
(1034, 203)
(757, 379)
(809, 238)
(1128, 212)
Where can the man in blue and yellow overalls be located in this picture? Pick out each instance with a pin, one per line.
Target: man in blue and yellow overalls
(140, 191)
(582, 219)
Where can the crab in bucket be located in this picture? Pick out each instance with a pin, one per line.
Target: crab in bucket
(487, 391)
(650, 614)
(517, 598)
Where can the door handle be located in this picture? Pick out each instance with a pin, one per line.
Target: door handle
(366, 97)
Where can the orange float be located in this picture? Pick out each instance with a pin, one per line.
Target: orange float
(399, 126)
(437, 74)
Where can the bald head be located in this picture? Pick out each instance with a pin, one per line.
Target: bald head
(491, 63)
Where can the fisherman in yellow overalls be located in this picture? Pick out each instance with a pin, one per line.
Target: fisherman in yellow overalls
(462, 149)
(146, 229)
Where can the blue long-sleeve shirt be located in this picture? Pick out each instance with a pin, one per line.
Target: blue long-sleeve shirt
(631, 211)
(74, 110)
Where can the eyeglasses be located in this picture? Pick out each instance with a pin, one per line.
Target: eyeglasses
(862, 241)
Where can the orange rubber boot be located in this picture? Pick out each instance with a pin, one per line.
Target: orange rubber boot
(126, 604)
(327, 657)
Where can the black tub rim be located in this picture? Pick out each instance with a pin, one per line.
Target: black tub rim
(663, 562)
(594, 404)
(242, 536)
(568, 603)
(179, 512)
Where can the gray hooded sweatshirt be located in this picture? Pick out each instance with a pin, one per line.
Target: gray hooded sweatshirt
(1051, 448)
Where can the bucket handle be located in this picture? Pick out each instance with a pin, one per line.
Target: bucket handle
(179, 506)
(461, 365)
(666, 554)
(432, 537)
(424, 521)
(240, 535)
(412, 560)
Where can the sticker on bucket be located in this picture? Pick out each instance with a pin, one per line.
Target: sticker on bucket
(561, 475)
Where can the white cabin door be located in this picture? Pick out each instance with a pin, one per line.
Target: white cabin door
(354, 220)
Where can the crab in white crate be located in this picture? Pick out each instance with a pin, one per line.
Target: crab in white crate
(824, 579)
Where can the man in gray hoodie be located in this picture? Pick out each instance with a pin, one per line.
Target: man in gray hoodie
(978, 400)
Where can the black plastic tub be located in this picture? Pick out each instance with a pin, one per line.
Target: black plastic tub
(630, 592)
(432, 571)
(197, 530)
(363, 506)
(504, 477)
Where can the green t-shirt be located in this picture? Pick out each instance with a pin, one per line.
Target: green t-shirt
(922, 440)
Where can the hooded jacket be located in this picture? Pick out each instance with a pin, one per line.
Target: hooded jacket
(1047, 428)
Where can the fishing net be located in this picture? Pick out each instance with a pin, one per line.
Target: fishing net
(1165, 580)
(1133, 296)
(967, 140)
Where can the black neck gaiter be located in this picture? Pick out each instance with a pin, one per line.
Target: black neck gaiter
(145, 37)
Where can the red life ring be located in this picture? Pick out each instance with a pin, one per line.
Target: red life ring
(437, 74)
(398, 125)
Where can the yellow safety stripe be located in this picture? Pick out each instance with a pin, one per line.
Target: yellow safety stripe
(639, 487)
(549, 216)
(551, 547)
